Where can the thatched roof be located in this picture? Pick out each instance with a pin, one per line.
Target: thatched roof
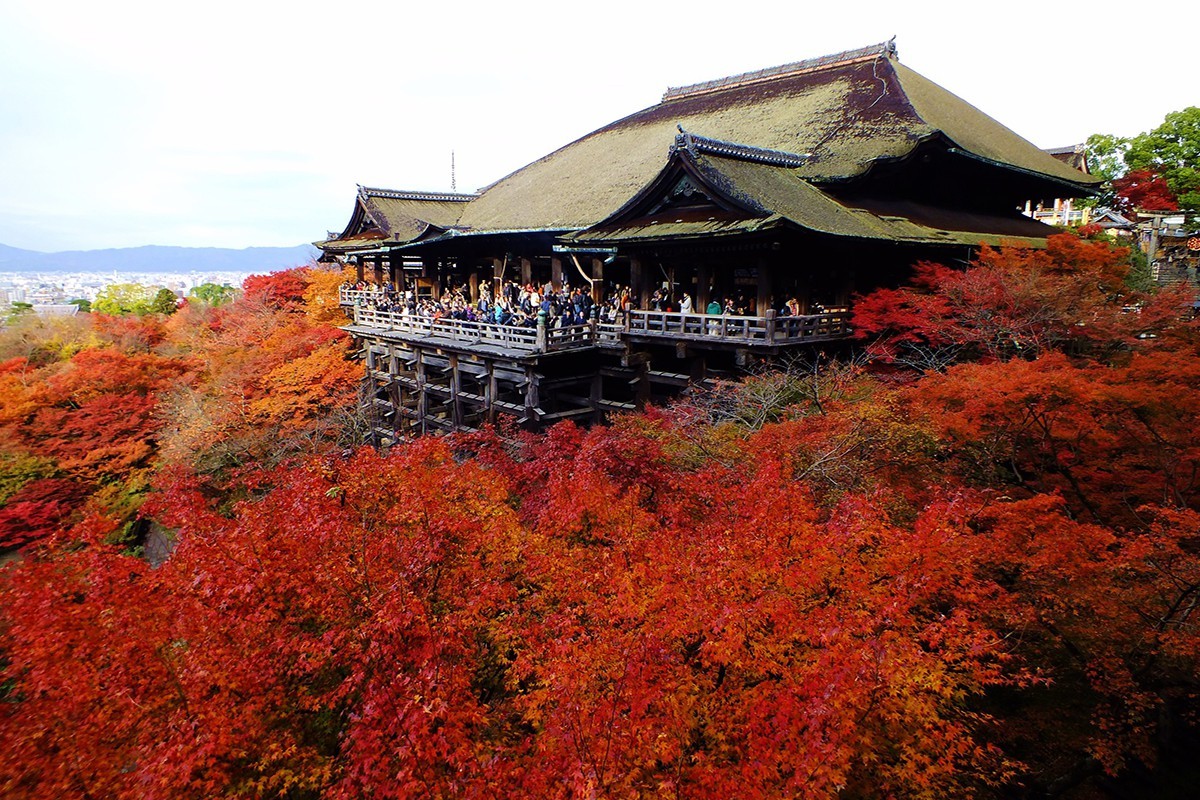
(845, 112)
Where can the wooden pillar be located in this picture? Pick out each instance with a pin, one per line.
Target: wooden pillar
(556, 274)
(378, 265)
(765, 298)
(497, 277)
(473, 283)
(597, 280)
(526, 272)
(639, 287)
(703, 286)
(358, 269)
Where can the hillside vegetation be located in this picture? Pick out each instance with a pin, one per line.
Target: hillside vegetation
(962, 563)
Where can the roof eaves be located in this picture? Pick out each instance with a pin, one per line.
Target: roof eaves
(1089, 185)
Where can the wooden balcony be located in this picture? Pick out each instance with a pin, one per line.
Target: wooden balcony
(648, 326)
(465, 332)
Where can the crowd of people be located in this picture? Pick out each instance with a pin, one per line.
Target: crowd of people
(517, 305)
(520, 305)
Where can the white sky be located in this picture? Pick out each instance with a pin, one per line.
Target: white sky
(237, 123)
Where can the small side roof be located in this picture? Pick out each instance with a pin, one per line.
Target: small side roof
(395, 215)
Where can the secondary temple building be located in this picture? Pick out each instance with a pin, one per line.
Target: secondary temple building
(774, 195)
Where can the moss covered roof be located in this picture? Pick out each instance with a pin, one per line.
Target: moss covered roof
(845, 112)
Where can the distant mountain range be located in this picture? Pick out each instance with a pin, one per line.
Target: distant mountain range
(157, 258)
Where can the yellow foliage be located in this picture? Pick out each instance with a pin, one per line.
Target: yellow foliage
(321, 297)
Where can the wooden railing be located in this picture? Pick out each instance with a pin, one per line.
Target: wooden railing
(739, 330)
(351, 297)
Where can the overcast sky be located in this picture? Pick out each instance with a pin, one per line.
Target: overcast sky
(237, 123)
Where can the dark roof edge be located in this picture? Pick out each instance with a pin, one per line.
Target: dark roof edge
(880, 50)
(1088, 186)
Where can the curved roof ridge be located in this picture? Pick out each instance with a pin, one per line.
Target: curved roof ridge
(696, 143)
(403, 194)
(880, 50)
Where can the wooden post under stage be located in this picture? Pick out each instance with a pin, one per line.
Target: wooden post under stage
(556, 275)
(456, 415)
(526, 272)
(765, 272)
(639, 287)
(473, 283)
(703, 286)
(422, 395)
(378, 265)
(531, 394)
(597, 281)
(490, 393)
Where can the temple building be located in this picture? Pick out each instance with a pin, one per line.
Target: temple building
(777, 194)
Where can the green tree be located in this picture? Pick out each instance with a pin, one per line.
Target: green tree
(163, 302)
(123, 298)
(213, 294)
(1106, 159)
(84, 304)
(1172, 150)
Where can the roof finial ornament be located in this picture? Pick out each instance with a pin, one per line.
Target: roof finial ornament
(684, 141)
(889, 47)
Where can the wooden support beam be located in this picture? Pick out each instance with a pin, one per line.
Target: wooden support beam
(489, 403)
(455, 386)
(703, 287)
(639, 286)
(597, 281)
(596, 396)
(556, 273)
(499, 266)
(531, 394)
(422, 397)
(764, 299)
